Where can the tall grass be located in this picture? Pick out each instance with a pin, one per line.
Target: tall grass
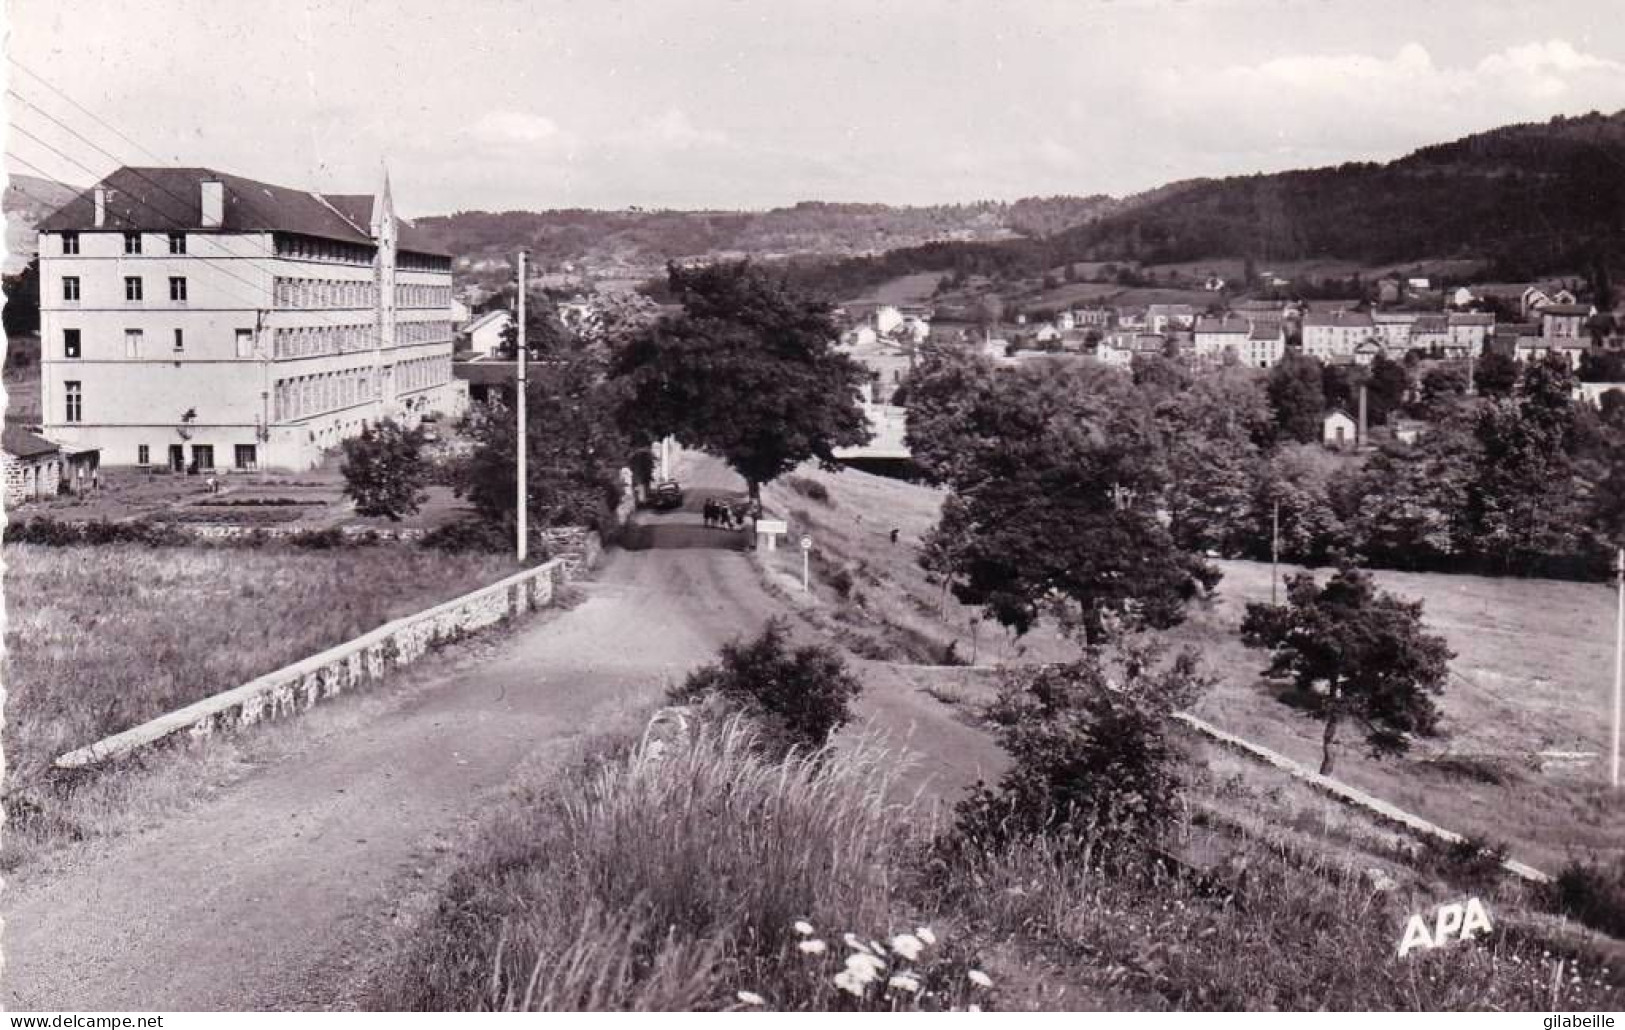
(671, 882)
(99, 639)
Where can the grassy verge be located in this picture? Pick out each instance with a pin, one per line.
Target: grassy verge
(99, 639)
(675, 880)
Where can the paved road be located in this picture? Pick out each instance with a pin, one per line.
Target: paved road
(274, 893)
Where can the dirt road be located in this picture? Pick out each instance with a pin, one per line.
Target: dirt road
(277, 892)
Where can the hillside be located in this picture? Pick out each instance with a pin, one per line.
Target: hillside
(642, 241)
(28, 199)
(1521, 200)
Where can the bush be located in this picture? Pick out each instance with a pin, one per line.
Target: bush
(1469, 862)
(799, 697)
(811, 489)
(51, 532)
(1593, 894)
(469, 535)
(1091, 758)
(384, 470)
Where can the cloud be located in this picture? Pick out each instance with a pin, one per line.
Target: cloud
(674, 128)
(510, 127)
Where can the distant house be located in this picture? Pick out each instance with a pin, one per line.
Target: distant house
(885, 319)
(1327, 334)
(1214, 337)
(1338, 429)
(1564, 321)
(485, 334)
(1116, 349)
(1159, 318)
(861, 336)
(1409, 430)
(1093, 318)
(1132, 318)
(1213, 284)
(1066, 321)
(1266, 345)
(1466, 333)
(1047, 333)
(1394, 329)
(1430, 333)
(1462, 297)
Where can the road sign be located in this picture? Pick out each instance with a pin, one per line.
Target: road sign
(774, 526)
(806, 543)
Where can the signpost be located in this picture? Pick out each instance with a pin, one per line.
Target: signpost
(768, 532)
(806, 563)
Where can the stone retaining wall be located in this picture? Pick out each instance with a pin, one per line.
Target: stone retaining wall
(367, 658)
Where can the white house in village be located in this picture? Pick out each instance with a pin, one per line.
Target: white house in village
(198, 320)
(1338, 429)
(1214, 337)
(484, 335)
(1330, 334)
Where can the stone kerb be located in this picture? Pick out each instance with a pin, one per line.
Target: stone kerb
(369, 657)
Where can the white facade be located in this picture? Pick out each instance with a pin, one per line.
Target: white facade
(485, 334)
(209, 347)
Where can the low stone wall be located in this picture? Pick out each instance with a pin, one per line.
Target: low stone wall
(367, 658)
(232, 531)
(1351, 796)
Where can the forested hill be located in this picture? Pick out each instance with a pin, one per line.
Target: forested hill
(1523, 199)
(638, 237)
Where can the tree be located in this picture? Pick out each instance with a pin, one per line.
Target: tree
(748, 372)
(384, 470)
(1442, 387)
(1297, 397)
(575, 449)
(1362, 654)
(1386, 389)
(1496, 375)
(1055, 472)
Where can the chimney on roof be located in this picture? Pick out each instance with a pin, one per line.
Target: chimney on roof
(213, 203)
(101, 206)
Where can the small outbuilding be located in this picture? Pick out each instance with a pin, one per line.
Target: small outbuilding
(1339, 430)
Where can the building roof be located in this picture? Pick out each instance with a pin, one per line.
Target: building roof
(1565, 309)
(1393, 317)
(486, 319)
(1222, 325)
(1338, 319)
(1336, 413)
(1430, 324)
(1470, 318)
(1183, 310)
(20, 443)
(1260, 332)
(170, 199)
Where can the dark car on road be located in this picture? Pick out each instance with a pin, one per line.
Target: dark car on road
(666, 495)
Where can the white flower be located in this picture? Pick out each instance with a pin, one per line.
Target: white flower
(907, 945)
(877, 947)
(864, 966)
(803, 927)
(973, 1008)
(852, 942)
(904, 982)
(849, 983)
(924, 933)
(980, 978)
(812, 947)
(751, 998)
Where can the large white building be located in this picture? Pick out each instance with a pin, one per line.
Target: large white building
(198, 320)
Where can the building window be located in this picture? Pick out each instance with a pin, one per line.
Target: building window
(203, 457)
(74, 397)
(70, 343)
(180, 341)
(132, 287)
(177, 288)
(132, 243)
(132, 343)
(177, 243)
(143, 455)
(70, 287)
(245, 457)
(70, 243)
(245, 343)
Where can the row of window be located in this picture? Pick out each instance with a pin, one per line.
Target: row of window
(245, 456)
(422, 295)
(135, 343)
(422, 373)
(132, 243)
(422, 262)
(422, 332)
(323, 293)
(302, 396)
(135, 290)
(312, 341)
(311, 248)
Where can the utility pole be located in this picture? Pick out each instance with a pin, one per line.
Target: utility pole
(1275, 550)
(522, 529)
(1619, 661)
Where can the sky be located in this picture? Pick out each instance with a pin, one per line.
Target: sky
(494, 104)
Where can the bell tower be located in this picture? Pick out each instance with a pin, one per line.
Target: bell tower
(384, 232)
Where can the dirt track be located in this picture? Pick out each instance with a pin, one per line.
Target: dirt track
(277, 892)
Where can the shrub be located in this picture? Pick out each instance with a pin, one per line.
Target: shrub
(1469, 862)
(1593, 894)
(469, 535)
(1091, 758)
(384, 470)
(322, 539)
(811, 489)
(799, 697)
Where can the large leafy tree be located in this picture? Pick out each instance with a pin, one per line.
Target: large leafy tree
(1362, 654)
(384, 470)
(1056, 472)
(748, 372)
(1297, 396)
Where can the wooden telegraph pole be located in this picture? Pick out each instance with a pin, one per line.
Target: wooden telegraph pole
(522, 529)
(1275, 550)
(1619, 662)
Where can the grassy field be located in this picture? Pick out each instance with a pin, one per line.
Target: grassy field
(1532, 671)
(99, 639)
